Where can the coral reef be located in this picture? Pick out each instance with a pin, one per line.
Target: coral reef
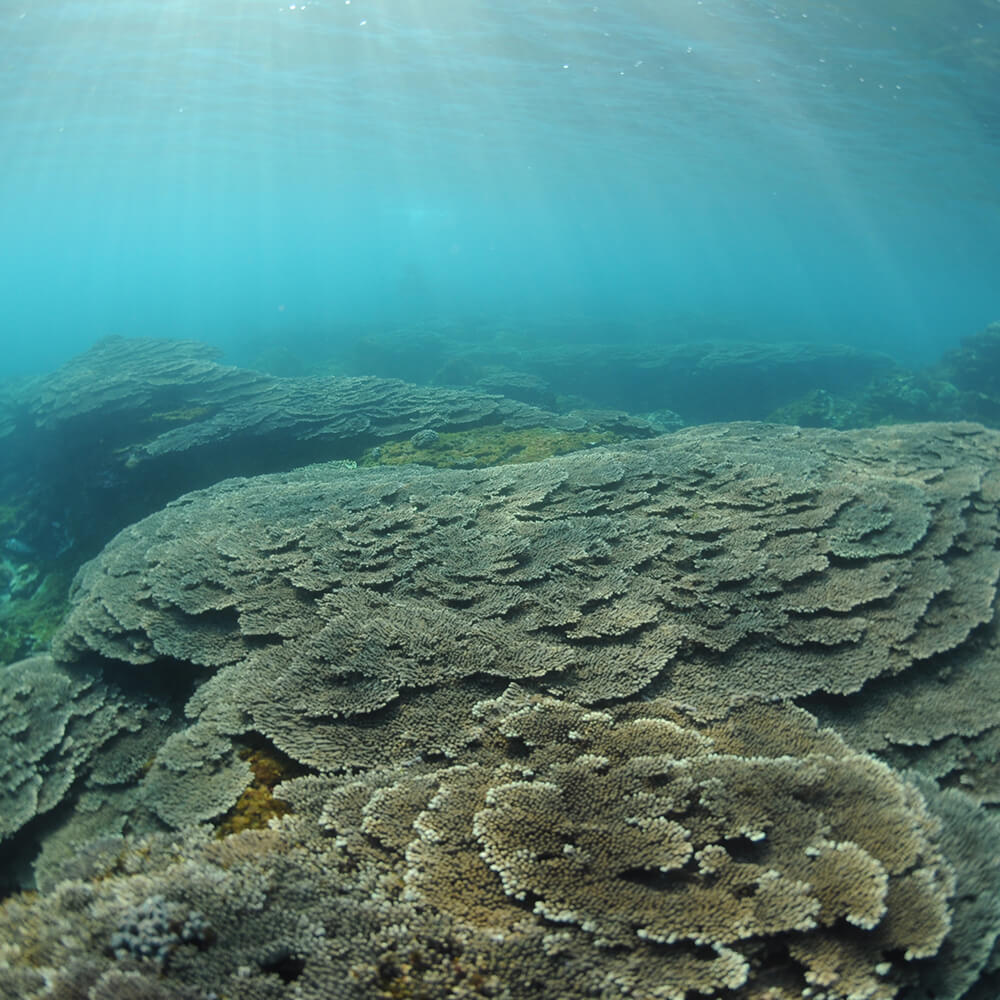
(974, 366)
(170, 397)
(642, 829)
(527, 388)
(963, 385)
(712, 714)
(565, 851)
(53, 724)
(894, 398)
(709, 566)
(196, 776)
(132, 423)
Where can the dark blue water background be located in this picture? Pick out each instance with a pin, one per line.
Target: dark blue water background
(256, 173)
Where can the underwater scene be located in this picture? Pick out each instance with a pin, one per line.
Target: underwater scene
(500, 500)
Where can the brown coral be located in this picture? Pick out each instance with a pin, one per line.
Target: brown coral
(567, 851)
(644, 832)
(714, 565)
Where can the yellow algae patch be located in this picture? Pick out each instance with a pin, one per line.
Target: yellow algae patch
(258, 804)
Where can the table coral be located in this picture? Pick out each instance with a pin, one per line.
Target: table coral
(552, 719)
(708, 566)
(565, 850)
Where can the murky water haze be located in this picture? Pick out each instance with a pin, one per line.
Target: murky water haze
(258, 173)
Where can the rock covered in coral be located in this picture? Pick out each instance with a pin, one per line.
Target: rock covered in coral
(184, 399)
(963, 385)
(564, 852)
(515, 385)
(55, 724)
(710, 566)
(687, 844)
(546, 711)
(975, 365)
(132, 423)
(974, 370)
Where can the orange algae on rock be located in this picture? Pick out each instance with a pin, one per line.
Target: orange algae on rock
(257, 806)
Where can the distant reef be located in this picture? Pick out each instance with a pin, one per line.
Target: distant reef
(692, 381)
(713, 713)
(132, 423)
(703, 380)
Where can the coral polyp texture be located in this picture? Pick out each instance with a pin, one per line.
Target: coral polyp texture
(646, 833)
(715, 714)
(709, 566)
(567, 852)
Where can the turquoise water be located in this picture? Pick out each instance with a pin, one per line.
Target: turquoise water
(257, 173)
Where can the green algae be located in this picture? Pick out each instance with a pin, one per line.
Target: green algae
(31, 609)
(485, 446)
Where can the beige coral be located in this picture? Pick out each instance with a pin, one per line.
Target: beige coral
(709, 566)
(640, 829)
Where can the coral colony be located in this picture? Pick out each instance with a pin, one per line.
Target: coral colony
(713, 713)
